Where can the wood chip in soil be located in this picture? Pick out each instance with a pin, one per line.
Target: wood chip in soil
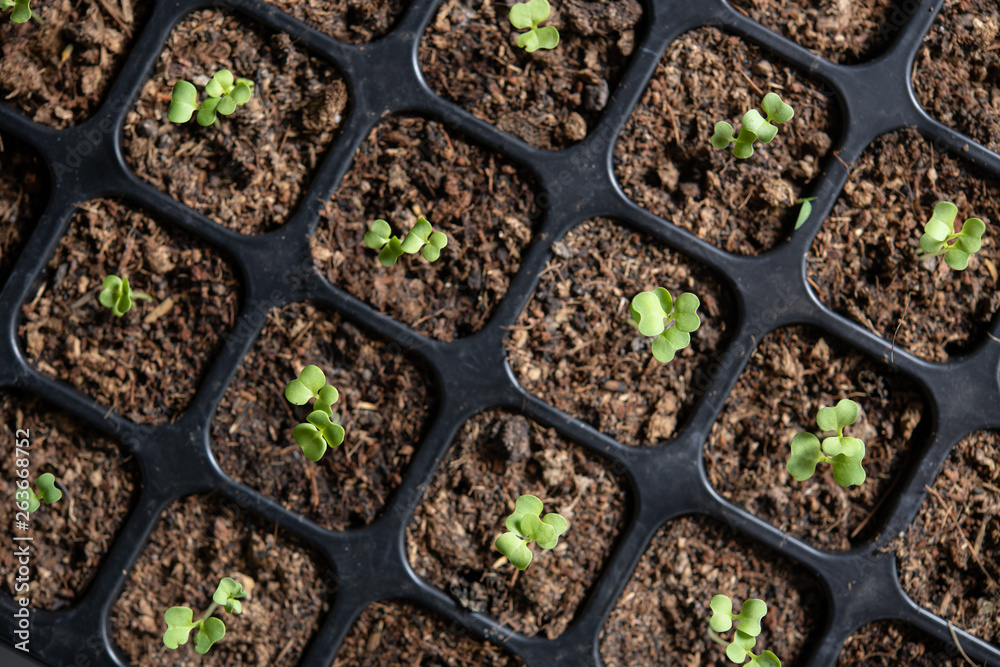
(864, 261)
(572, 345)
(409, 167)
(384, 406)
(146, 369)
(549, 99)
(399, 633)
(251, 169)
(662, 615)
(72, 536)
(665, 163)
(497, 457)
(199, 540)
(353, 21)
(57, 71)
(22, 199)
(891, 644)
(793, 373)
(947, 560)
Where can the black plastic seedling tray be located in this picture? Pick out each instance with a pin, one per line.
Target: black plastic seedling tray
(472, 374)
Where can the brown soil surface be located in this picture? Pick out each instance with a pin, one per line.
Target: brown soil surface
(956, 75)
(662, 615)
(398, 633)
(145, 364)
(888, 644)
(23, 194)
(844, 31)
(384, 405)
(573, 347)
(864, 261)
(549, 99)
(948, 557)
(793, 373)
(665, 163)
(58, 72)
(409, 167)
(354, 21)
(249, 170)
(71, 536)
(197, 542)
(497, 457)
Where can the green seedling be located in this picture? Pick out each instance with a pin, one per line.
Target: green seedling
(390, 248)
(45, 491)
(180, 620)
(753, 127)
(843, 453)
(805, 211)
(940, 238)
(672, 321)
(526, 524)
(21, 13)
(117, 295)
(320, 430)
(224, 95)
(747, 630)
(527, 16)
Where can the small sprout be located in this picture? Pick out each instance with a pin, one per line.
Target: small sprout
(747, 630)
(45, 491)
(805, 211)
(180, 620)
(940, 238)
(117, 295)
(224, 95)
(526, 524)
(391, 248)
(843, 453)
(753, 127)
(652, 313)
(21, 13)
(527, 16)
(319, 431)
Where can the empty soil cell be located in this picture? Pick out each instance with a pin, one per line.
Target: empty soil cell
(890, 644)
(251, 169)
(353, 21)
(58, 70)
(956, 74)
(146, 364)
(864, 262)
(793, 373)
(573, 345)
(398, 633)
(198, 541)
(497, 457)
(843, 32)
(662, 615)
(665, 163)
(947, 560)
(409, 167)
(23, 195)
(549, 99)
(70, 537)
(384, 407)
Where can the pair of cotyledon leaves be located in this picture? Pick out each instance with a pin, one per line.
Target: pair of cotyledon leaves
(117, 295)
(47, 492)
(421, 238)
(843, 453)
(753, 127)
(224, 94)
(319, 431)
(527, 16)
(526, 524)
(180, 620)
(940, 236)
(651, 312)
(747, 629)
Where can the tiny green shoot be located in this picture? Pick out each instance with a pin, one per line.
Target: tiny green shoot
(805, 211)
(940, 237)
(753, 127)
(527, 16)
(843, 453)
(747, 630)
(224, 95)
(21, 13)
(379, 237)
(320, 429)
(526, 524)
(45, 491)
(117, 295)
(180, 620)
(671, 321)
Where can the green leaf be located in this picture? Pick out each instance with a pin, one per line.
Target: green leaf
(539, 10)
(776, 110)
(332, 433)
(753, 122)
(416, 237)
(847, 455)
(378, 235)
(520, 16)
(557, 521)
(805, 211)
(748, 620)
(650, 310)
(942, 222)
(548, 37)
(220, 84)
(529, 524)
(722, 613)
(227, 105)
(112, 289)
(956, 259)
(211, 631)
(206, 115)
(741, 646)
(47, 486)
(179, 625)
(930, 245)
(307, 385)
(328, 395)
(33, 502)
(183, 102)
(311, 441)
(805, 456)
(228, 595)
(847, 412)
(529, 41)
(826, 418)
(528, 504)
(544, 535)
(765, 659)
(243, 91)
(677, 338)
(723, 135)
(558, 526)
(663, 351)
(391, 252)
(21, 13)
(515, 549)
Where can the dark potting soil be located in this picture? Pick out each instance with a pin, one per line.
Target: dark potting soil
(891, 644)
(354, 21)
(23, 193)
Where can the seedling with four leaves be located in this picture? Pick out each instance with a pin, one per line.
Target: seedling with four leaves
(747, 630)
(940, 237)
(843, 453)
(319, 431)
(21, 13)
(224, 95)
(379, 237)
(526, 524)
(527, 16)
(652, 313)
(45, 491)
(117, 295)
(753, 127)
(180, 620)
